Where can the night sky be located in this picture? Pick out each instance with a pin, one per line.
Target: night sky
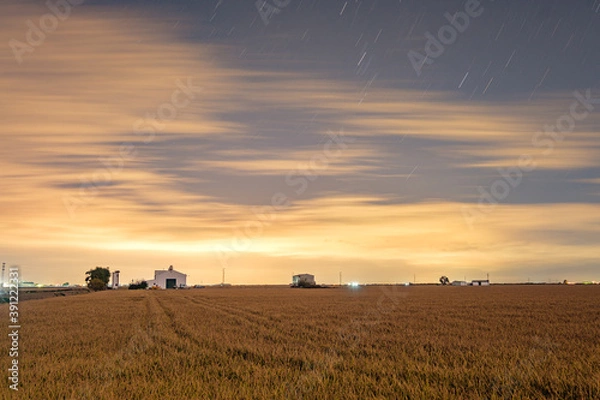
(387, 140)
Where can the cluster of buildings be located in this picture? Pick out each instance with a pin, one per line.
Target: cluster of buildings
(482, 282)
(172, 279)
(163, 279)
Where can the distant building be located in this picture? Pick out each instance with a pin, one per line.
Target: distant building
(303, 280)
(168, 279)
(483, 282)
(115, 279)
(459, 283)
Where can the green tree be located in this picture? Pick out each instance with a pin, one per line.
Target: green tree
(98, 278)
(96, 284)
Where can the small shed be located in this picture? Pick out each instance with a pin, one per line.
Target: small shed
(459, 283)
(303, 280)
(483, 282)
(168, 279)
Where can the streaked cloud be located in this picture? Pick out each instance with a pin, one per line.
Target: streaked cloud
(390, 199)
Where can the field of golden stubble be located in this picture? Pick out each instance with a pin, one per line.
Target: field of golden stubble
(498, 342)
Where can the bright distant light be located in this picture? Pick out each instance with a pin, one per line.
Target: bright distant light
(354, 284)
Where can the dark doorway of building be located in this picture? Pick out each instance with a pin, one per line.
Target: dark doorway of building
(171, 283)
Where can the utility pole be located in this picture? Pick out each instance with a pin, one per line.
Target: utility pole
(340, 278)
(3, 267)
(488, 276)
(223, 282)
(415, 278)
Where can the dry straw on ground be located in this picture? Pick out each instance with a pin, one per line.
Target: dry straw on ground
(280, 343)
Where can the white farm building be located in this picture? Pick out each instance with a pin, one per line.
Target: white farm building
(168, 279)
(303, 280)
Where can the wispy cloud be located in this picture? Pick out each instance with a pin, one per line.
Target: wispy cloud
(392, 199)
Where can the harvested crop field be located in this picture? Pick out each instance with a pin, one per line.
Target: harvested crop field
(387, 342)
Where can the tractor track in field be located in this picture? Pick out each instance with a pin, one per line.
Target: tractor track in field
(261, 328)
(182, 331)
(215, 346)
(267, 328)
(234, 312)
(273, 325)
(156, 312)
(246, 316)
